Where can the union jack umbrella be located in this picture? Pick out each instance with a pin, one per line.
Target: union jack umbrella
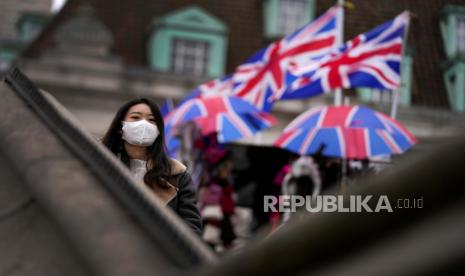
(173, 144)
(351, 132)
(230, 117)
(264, 74)
(369, 60)
(219, 86)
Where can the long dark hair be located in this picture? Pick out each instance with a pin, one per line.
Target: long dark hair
(161, 168)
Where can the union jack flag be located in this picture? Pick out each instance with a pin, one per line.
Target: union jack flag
(220, 86)
(167, 107)
(369, 60)
(264, 74)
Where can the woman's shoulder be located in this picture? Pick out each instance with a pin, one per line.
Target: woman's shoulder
(177, 168)
(180, 175)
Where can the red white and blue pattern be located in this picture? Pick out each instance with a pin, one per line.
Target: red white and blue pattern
(370, 60)
(264, 74)
(216, 87)
(352, 132)
(229, 116)
(173, 145)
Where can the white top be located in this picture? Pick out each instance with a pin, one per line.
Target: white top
(138, 169)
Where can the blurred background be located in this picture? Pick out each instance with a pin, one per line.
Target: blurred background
(94, 55)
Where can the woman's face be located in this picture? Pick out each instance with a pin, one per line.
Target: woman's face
(139, 112)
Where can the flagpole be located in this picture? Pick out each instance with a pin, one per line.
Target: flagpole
(395, 93)
(394, 102)
(338, 91)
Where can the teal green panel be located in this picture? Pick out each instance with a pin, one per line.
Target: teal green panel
(406, 83)
(271, 18)
(311, 10)
(453, 9)
(271, 13)
(449, 17)
(160, 51)
(460, 88)
(30, 24)
(449, 88)
(448, 26)
(192, 17)
(8, 54)
(161, 46)
(28, 31)
(454, 79)
(217, 59)
(189, 23)
(451, 36)
(365, 94)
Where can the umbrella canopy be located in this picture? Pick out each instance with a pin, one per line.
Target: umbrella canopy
(229, 116)
(352, 132)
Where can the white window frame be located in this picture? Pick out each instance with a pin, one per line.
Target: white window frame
(291, 15)
(190, 56)
(461, 35)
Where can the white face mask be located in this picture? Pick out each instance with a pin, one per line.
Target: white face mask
(140, 133)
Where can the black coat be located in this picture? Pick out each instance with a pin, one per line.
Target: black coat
(180, 195)
(185, 201)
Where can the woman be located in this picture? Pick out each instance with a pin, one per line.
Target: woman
(136, 136)
(303, 179)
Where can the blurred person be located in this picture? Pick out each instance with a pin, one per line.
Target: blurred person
(358, 168)
(330, 169)
(136, 137)
(331, 172)
(302, 180)
(275, 217)
(217, 202)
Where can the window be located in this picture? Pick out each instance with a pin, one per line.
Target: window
(190, 57)
(292, 14)
(454, 79)
(188, 42)
(461, 36)
(282, 17)
(30, 25)
(452, 24)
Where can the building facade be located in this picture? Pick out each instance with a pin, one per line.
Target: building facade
(21, 22)
(94, 55)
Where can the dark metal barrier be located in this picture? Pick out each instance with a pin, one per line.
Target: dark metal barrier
(169, 233)
(422, 241)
